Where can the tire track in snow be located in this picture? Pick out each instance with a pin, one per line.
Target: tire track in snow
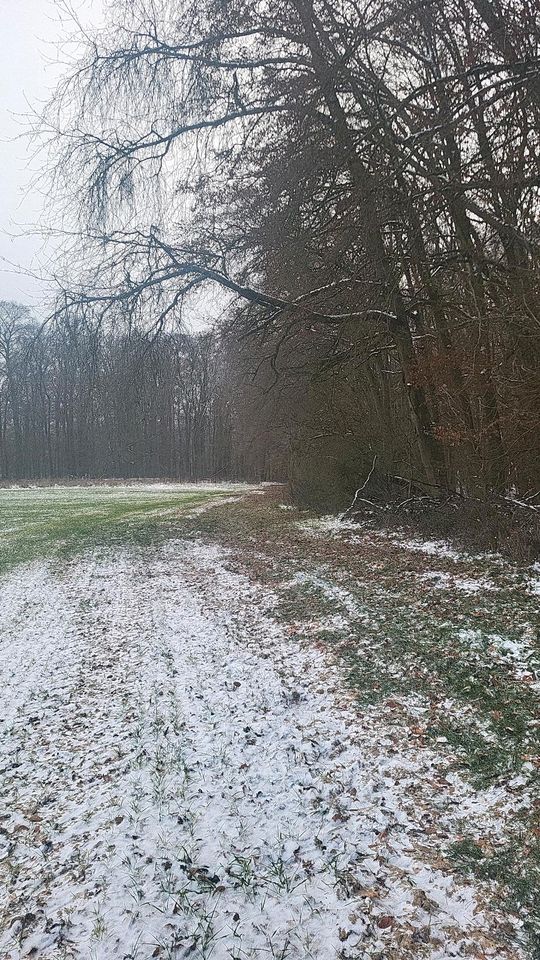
(180, 779)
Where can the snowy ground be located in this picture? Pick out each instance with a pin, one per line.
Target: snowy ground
(184, 777)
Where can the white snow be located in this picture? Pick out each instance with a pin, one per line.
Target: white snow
(182, 778)
(520, 655)
(330, 524)
(334, 526)
(534, 583)
(446, 581)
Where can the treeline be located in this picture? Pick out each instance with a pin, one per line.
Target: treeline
(364, 178)
(83, 402)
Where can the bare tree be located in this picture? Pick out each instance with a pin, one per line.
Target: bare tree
(364, 180)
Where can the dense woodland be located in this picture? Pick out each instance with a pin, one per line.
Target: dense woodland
(362, 180)
(80, 402)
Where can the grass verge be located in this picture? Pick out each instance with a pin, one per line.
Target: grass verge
(457, 638)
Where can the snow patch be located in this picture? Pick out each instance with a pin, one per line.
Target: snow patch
(182, 778)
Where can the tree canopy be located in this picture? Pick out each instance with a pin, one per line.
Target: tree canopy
(362, 179)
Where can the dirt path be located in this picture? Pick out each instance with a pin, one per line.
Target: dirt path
(181, 777)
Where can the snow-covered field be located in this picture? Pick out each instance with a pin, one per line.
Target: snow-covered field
(181, 777)
(183, 771)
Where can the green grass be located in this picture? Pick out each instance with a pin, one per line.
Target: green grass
(406, 649)
(301, 599)
(493, 729)
(515, 869)
(55, 521)
(411, 653)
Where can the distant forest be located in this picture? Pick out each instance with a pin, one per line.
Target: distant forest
(85, 403)
(363, 180)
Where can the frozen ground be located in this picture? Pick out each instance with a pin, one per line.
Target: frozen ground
(183, 777)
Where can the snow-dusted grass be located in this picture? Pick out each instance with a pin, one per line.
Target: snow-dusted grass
(336, 526)
(335, 758)
(444, 645)
(182, 777)
(37, 520)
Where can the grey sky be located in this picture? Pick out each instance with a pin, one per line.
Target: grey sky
(35, 53)
(31, 63)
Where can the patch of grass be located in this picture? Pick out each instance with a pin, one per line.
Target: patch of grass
(485, 761)
(515, 874)
(399, 648)
(59, 521)
(305, 600)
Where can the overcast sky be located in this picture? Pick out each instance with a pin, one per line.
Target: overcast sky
(34, 56)
(31, 63)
